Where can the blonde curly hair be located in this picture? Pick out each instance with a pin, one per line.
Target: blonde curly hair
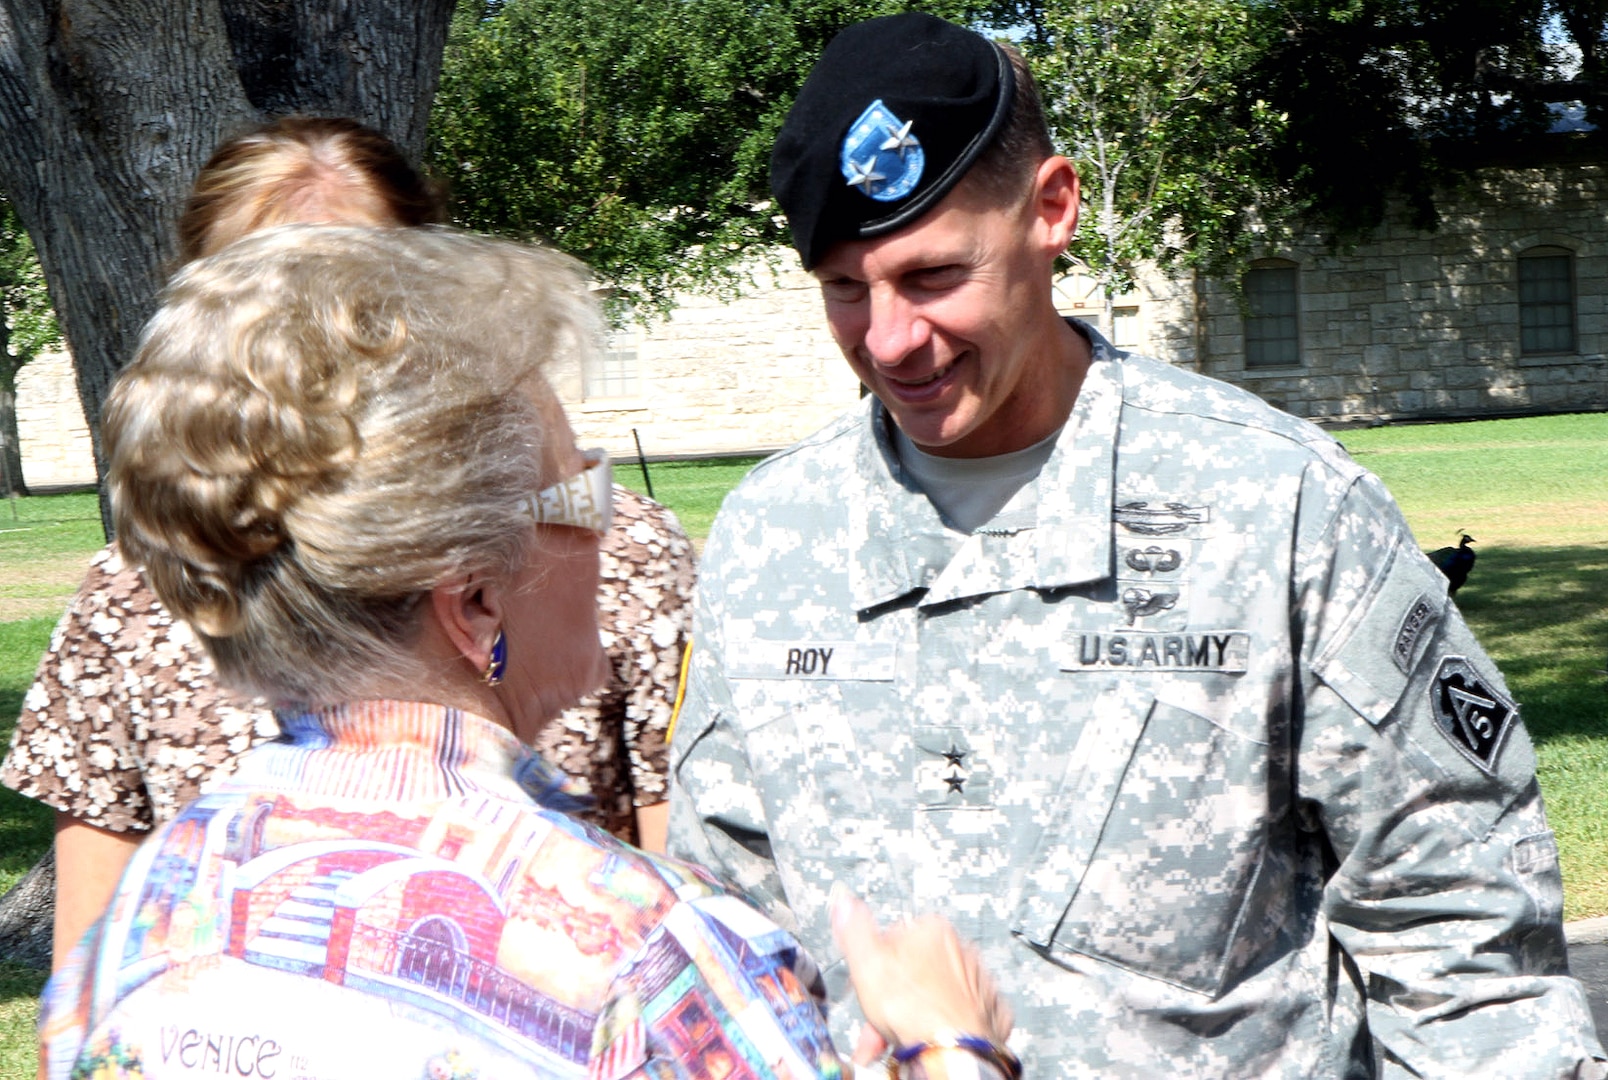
(323, 423)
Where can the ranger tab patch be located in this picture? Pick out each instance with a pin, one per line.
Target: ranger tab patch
(1473, 715)
(1419, 617)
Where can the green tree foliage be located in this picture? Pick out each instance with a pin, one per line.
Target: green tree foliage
(1584, 24)
(27, 328)
(1146, 97)
(634, 134)
(1398, 97)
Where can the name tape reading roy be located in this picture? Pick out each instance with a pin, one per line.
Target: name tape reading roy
(847, 660)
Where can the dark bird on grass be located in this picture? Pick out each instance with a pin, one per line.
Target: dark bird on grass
(1455, 562)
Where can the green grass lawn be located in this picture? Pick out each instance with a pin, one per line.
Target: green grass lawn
(25, 825)
(1533, 493)
(19, 1011)
(693, 489)
(25, 829)
(44, 546)
(33, 529)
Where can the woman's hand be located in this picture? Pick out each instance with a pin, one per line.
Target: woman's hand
(915, 980)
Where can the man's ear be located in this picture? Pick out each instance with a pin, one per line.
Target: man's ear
(469, 612)
(1055, 204)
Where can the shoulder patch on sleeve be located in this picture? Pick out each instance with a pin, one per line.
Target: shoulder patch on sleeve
(1386, 636)
(1471, 711)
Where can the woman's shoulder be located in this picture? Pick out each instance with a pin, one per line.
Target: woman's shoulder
(654, 884)
(644, 530)
(697, 942)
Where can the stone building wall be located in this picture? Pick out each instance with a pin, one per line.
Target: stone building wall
(1408, 325)
(756, 373)
(1420, 325)
(56, 450)
(716, 377)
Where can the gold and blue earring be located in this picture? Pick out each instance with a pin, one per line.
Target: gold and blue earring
(497, 665)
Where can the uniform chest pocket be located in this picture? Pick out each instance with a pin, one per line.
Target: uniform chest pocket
(816, 765)
(792, 723)
(1171, 874)
(796, 702)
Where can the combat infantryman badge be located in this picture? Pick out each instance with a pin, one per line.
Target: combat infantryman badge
(1169, 519)
(1474, 716)
(880, 158)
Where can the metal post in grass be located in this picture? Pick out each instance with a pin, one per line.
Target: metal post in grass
(642, 460)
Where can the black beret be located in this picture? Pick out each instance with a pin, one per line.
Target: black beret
(889, 120)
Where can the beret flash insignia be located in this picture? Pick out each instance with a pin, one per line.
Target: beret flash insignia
(880, 158)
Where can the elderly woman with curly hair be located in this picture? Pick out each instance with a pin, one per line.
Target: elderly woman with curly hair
(366, 501)
(125, 722)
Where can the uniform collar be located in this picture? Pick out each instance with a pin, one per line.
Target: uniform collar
(899, 539)
(902, 545)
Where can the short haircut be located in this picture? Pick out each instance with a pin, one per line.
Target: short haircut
(1006, 168)
(321, 424)
(304, 168)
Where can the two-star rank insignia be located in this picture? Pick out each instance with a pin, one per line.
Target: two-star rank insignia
(1472, 713)
(949, 772)
(955, 758)
(879, 157)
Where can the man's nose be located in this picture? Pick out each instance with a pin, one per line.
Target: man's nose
(896, 328)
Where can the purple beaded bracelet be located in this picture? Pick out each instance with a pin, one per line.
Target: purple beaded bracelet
(999, 1056)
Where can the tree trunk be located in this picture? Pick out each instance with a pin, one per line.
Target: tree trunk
(27, 916)
(11, 480)
(108, 109)
(1108, 273)
(1202, 339)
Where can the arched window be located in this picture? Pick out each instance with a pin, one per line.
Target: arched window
(431, 951)
(1272, 314)
(1546, 300)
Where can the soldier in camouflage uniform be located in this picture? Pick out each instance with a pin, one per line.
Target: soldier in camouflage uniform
(1142, 683)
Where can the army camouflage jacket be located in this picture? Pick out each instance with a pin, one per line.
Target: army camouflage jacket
(1188, 737)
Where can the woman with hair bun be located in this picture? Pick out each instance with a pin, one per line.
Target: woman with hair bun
(313, 169)
(125, 721)
(367, 503)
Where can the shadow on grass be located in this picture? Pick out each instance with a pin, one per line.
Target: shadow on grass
(26, 829)
(1542, 614)
(20, 982)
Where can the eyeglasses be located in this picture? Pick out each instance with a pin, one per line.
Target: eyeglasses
(585, 500)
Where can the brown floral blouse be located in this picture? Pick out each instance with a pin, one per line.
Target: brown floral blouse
(124, 722)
